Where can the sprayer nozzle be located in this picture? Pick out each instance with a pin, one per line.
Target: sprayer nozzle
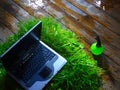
(98, 41)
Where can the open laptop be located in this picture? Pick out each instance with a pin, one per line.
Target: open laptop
(31, 62)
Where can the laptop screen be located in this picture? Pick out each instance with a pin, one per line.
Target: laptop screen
(21, 47)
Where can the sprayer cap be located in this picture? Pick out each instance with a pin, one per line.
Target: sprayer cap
(96, 50)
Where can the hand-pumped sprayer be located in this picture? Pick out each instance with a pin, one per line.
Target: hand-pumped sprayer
(96, 48)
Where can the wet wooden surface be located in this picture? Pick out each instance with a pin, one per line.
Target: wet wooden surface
(84, 17)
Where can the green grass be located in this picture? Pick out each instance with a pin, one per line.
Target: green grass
(81, 71)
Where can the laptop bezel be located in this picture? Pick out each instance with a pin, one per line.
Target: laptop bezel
(21, 38)
(29, 31)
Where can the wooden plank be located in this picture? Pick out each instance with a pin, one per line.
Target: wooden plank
(15, 10)
(32, 7)
(105, 5)
(114, 70)
(111, 77)
(4, 32)
(109, 6)
(8, 20)
(97, 14)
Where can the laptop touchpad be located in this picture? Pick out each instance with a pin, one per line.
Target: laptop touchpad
(45, 72)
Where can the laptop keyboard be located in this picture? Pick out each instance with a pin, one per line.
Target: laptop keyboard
(37, 59)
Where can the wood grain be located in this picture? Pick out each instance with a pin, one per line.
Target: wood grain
(97, 14)
(32, 8)
(4, 33)
(8, 20)
(16, 11)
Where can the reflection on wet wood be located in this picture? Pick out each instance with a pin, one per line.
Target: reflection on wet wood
(97, 14)
(32, 8)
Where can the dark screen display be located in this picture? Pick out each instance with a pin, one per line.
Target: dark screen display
(20, 48)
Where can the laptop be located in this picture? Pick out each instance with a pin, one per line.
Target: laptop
(31, 62)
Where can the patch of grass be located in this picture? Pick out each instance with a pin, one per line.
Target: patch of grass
(81, 71)
(2, 78)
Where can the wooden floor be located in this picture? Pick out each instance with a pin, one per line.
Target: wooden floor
(84, 17)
